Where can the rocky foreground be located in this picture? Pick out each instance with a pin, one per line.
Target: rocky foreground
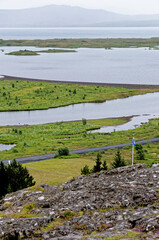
(118, 204)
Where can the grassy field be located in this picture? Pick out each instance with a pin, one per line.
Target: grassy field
(85, 43)
(47, 138)
(34, 53)
(29, 95)
(57, 171)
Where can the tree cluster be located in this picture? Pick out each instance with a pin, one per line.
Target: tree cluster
(99, 166)
(14, 177)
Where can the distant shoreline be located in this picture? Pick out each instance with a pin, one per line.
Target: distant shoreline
(120, 85)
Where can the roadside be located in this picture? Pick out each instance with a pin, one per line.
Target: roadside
(82, 151)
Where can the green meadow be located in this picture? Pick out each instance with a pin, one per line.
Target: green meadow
(30, 95)
(48, 138)
(59, 170)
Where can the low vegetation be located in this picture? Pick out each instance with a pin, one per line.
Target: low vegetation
(56, 51)
(85, 43)
(23, 53)
(48, 138)
(34, 53)
(59, 170)
(30, 95)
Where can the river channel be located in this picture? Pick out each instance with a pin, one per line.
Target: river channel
(143, 106)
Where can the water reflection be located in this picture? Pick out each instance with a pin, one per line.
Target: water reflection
(143, 106)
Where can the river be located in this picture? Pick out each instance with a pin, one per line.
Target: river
(143, 106)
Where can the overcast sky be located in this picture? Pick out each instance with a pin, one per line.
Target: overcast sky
(120, 6)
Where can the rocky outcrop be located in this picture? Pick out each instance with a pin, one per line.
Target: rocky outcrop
(122, 202)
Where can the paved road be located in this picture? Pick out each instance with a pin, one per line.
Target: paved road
(87, 150)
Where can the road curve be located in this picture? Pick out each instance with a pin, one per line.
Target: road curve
(38, 158)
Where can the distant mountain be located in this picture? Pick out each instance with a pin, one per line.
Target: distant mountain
(67, 16)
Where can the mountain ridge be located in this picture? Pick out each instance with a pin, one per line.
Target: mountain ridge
(68, 16)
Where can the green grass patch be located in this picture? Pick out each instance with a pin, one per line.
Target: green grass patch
(34, 53)
(128, 235)
(56, 51)
(108, 121)
(48, 138)
(30, 95)
(23, 53)
(57, 171)
(85, 43)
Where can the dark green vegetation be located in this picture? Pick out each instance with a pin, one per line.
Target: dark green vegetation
(139, 152)
(96, 168)
(34, 53)
(14, 177)
(118, 160)
(23, 53)
(30, 95)
(62, 152)
(85, 43)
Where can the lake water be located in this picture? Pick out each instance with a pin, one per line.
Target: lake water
(132, 65)
(6, 147)
(145, 106)
(103, 32)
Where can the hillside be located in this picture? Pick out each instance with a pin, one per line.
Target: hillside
(67, 16)
(118, 204)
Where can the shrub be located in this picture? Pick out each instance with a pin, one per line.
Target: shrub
(84, 121)
(85, 170)
(62, 152)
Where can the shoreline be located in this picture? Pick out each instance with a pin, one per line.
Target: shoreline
(120, 85)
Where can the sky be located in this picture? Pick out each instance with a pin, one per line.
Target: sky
(119, 6)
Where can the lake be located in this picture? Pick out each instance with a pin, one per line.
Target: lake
(131, 65)
(89, 32)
